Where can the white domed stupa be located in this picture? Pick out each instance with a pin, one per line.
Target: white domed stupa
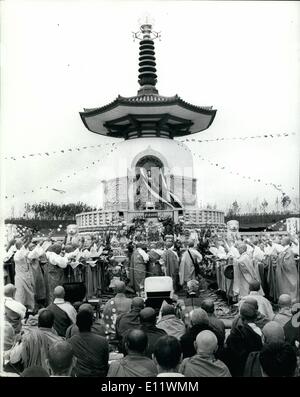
(149, 174)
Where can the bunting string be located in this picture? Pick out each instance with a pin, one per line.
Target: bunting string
(241, 138)
(58, 151)
(61, 180)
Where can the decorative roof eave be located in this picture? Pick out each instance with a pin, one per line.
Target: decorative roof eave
(139, 101)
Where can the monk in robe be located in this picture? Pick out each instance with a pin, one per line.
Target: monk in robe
(35, 344)
(135, 363)
(14, 311)
(137, 271)
(34, 255)
(286, 271)
(64, 313)
(24, 280)
(204, 362)
(189, 260)
(55, 268)
(244, 274)
(170, 262)
(154, 266)
(91, 350)
(96, 250)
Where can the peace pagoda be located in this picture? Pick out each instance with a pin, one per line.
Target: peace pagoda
(153, 174)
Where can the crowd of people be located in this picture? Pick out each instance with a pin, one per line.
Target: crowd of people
(47, 335)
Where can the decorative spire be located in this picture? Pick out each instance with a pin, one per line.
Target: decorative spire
(147, 64)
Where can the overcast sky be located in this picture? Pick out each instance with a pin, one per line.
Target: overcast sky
(61, 56)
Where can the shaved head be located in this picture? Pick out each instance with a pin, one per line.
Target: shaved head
(169, 244)
(208, 305)
(137, 303)
(60, 358)
(120, 287)
(242, 248)
(254, 285)
(286, 241)
(9, 290)
(284, 300)
(252, 302)
(148, 315)
(59, 292)
(87, 307)
(199, 316)
(206, 342)
(273, 332)
(136, 341)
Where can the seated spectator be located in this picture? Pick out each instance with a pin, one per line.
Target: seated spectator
(61, 359)
(34, 372)
(14, 311)
(264, 305)
(272, 333)
(167, 356)
(114, 307)
(91, 350)
(98, 327)
(127, 321)
(171, 324)
(135, 363)
(285, 313)
(217, 324)
(148, 321)
(9, 336)
(204, 363)
(278, 360)
(292, 333)
(260, 320)
(64, 313)
(199, 322)
(33, 347)
(243, 339)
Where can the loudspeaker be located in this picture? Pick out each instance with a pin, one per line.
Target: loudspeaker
(75, 292)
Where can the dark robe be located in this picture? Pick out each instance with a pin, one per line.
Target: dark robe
(171, 263)
(204, 365)
(133, 365)
(252, 367)
(91, 352)
(154, 267)
(61, 319)
(188, 339)
(98, 328)
(137, 271)
(124, 323)
(287, 274)
(241, 341)
(271, 262)
(292, 333)
(153, 334)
